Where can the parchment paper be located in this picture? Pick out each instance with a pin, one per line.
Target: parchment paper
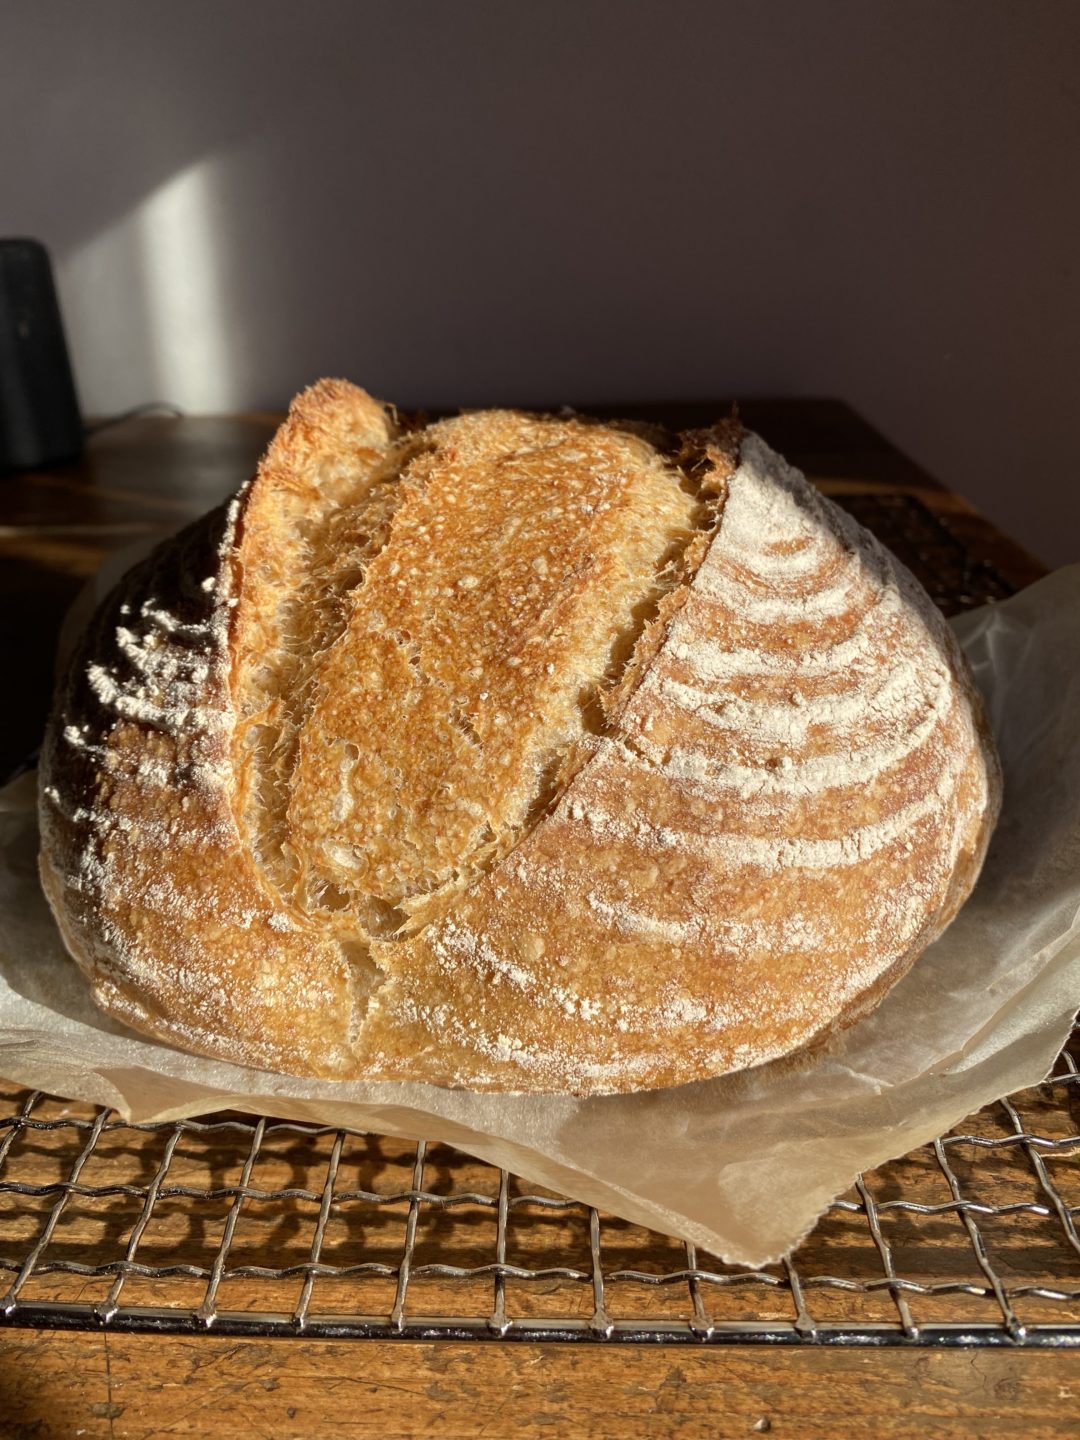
(741, 1166)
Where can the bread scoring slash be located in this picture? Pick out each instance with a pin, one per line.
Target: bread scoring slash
(515, 752)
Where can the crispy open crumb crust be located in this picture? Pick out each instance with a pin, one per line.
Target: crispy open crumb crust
(514, 752)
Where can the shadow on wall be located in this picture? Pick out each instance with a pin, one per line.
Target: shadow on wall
(579, 202)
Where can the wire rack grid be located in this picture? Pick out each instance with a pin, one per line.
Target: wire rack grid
(240, 1226)
(237, 1225)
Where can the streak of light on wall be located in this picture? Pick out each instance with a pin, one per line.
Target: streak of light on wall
(143, 302)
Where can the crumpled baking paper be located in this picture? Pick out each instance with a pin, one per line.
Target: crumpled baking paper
(741, 1166)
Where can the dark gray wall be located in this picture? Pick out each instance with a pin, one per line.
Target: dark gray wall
(481, 202)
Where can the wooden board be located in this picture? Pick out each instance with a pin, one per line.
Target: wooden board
(105, 1386)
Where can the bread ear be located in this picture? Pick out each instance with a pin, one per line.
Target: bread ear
(158, 896)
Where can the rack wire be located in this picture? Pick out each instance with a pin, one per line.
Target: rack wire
(244, 1226)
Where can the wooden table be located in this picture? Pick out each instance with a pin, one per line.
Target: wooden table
(152, 473)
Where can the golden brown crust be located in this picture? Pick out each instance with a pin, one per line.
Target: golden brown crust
(515, 752)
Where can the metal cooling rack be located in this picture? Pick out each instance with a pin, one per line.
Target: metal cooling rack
(247, 1226)
(254, 1227)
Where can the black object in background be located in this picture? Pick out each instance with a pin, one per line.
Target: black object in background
(39, 412)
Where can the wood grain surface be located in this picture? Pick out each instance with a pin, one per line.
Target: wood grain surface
(61, 1385)
(144, 476)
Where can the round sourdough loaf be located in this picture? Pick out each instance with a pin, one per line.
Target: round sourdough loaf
(515, 752)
